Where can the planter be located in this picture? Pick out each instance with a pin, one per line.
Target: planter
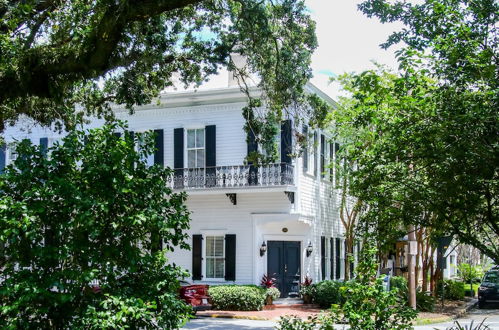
(307, 299)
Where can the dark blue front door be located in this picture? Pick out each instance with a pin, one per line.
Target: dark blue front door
(283, 263)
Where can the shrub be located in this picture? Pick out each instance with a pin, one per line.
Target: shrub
(273, 292)
(399, 283)
(425, 302)
(85, 215)
(293, 322)
(453, 290)
(237, 297)
(369, 305)
(328, 292)
(469, 273)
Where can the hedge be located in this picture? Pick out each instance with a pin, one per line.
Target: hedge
(237, 297)
(328, 292)
(453, 290)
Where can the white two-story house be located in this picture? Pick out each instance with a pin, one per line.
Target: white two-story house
(280, 219)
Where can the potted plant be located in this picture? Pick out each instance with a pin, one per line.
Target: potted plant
(268, 283)
(307, 290)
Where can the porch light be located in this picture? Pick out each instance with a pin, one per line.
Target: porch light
(263, 249)
(310, 249)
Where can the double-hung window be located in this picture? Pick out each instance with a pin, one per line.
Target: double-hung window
(195, 148)
(215, 257)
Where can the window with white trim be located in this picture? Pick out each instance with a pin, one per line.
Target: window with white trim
(310, 149)
(215, 257)
(195, 148)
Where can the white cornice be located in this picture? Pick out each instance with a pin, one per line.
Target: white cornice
(228, 95)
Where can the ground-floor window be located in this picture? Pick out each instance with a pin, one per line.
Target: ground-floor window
(215, 257)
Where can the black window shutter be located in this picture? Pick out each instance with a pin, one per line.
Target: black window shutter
(197, 256)
(315, 153)
(323, 156)
(211, 155)
(338, 258)
(211, 146)
(323, 257)
(230, 257)
(159, 145)
(336, 150)
(331, 257)
(178, 157)
(253, 171)
(286, 141)
(156, 241)
(305, 149)
(331, 160)
(131, 134)
(2, 157)
(44, 145)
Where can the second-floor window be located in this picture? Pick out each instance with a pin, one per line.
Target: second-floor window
(195, 148)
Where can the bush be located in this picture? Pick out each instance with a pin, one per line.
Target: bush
(85, 216)
(425, 302)
(469, 273)
(369, 305)
(453, 290)
(399, 283)
(328, 292)
(237, 297)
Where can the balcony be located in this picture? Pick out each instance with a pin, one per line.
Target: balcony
(239, 176)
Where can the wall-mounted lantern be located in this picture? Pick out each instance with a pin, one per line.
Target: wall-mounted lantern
(263, 249)
(310, 249)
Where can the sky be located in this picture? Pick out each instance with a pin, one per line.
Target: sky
(348, 41)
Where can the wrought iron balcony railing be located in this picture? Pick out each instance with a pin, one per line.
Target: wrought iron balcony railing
(238, 176)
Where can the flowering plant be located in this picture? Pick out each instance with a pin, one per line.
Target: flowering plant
(273, 292)
(307, 281)
(268, 281)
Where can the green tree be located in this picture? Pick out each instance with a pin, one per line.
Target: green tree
(60, 55)
(406, 171)
(85, 226)
(431, 130)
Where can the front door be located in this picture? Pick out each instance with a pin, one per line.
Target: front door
(283, 263)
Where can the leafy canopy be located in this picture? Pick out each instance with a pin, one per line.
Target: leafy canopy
(80, 227)
(58, 56)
